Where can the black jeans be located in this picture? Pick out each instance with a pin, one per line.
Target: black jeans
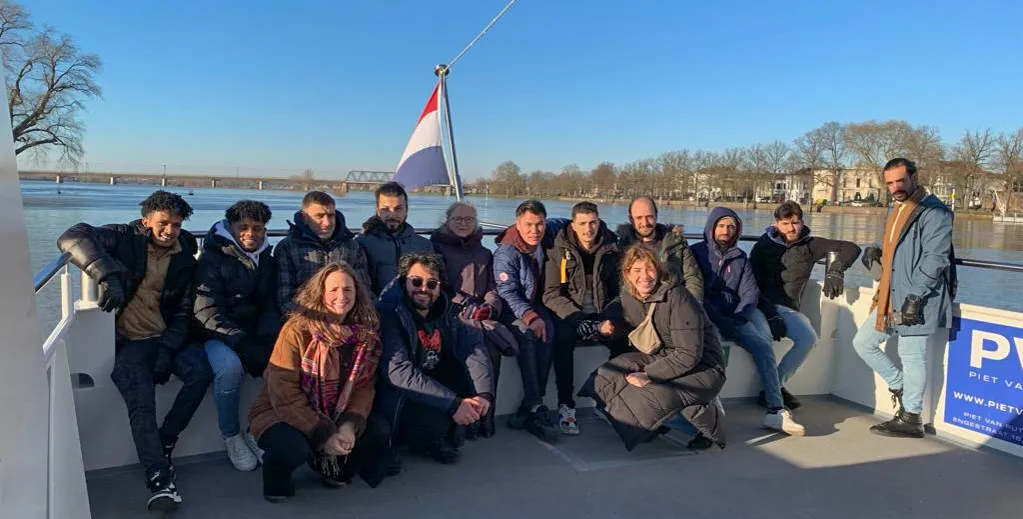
(535, 359)
(565, 340)
(133, 376)
(286, 448)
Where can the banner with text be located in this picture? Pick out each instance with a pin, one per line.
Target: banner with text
(984, 385)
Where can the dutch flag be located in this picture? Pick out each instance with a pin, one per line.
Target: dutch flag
(423, 164)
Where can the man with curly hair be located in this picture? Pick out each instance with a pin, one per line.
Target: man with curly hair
(235, 304)
(145, 270)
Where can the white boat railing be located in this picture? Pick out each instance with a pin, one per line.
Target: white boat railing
(86, 432)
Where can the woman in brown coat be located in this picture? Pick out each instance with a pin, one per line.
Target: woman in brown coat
(319, 387)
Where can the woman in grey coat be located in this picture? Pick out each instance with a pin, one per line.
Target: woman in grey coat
(639, 392)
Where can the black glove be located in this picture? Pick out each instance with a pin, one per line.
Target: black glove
(588, 329)
(912, 311)
(163, 366)
(870, 256)
(777, 325)
(254, 353)
(112, 296)
(834, 280)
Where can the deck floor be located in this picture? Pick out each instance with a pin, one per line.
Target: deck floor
(839, 470)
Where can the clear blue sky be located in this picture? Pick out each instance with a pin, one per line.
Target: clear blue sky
(338, 85)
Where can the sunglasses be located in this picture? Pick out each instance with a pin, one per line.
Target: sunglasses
(417, 282)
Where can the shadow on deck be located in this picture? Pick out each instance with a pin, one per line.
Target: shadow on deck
(839, 470)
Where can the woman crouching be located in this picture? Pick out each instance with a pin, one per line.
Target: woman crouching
(679, 367)
(320, 386)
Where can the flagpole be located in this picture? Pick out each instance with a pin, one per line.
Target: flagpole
(456, 180)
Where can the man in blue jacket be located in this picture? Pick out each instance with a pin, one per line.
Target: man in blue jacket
(518, 272)
(730, 297)
(914, 298)
(435, 372)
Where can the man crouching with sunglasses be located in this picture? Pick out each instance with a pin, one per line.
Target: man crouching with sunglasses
(435, 373)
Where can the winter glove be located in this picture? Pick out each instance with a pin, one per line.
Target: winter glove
(777, 325)
(834, 280)
(912, 311)
(870, 256)
(482, 312)
(163, 366)
(254, 353)
(588, 329)
(112, 296)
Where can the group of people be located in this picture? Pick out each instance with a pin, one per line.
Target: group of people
(389, 339)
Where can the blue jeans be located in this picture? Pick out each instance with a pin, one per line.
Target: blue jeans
(799, 329)
(760, 345)
(227, 380)
(912, 379)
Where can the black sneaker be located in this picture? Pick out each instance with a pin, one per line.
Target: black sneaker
(541, 424)
(518, 419)
(700, 443)
(904, 425)
(442, 453)
(165, 495)
(788, 399)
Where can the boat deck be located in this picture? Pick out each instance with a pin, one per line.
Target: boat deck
(838, 470)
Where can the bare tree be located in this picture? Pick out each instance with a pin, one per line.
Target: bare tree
(1009, 162)
(874, 143)
(975, 151)
(49, 80)
(923, 146)
(815, 151)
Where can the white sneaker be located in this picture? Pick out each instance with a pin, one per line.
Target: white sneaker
(566, 419)
(241, 457)
(253, 446)
(782, 421)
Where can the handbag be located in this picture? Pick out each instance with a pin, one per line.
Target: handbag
(644, 338)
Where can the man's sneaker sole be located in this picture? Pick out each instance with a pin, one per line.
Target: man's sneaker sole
(791, 431)
(163, 502)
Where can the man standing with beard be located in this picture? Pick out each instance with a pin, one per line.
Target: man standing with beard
(730, 299)
(386, 236)
(435, 369)
(580, 281)
(914, 298)
(668, 242)
(318, 237)
(788, 244)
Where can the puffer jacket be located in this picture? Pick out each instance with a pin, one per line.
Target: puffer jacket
(782, 269)
(686, 373)
(517, 282)
(383, 249)
(671, 247)
(565, 274)
(235, 294)
(301, 253)
(400, 376)
(469, 269)
(122, 251)
(729, 287)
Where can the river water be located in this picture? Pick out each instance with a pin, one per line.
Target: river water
(48, 214)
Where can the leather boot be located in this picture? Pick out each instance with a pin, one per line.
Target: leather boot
(904, 425)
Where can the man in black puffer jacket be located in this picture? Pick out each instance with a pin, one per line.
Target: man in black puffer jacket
(782, 260)
(235, 304)
(145, 271)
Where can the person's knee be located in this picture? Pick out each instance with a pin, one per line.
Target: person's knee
(128, 377)
(228, 372)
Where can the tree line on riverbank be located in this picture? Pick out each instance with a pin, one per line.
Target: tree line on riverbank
(979, 163)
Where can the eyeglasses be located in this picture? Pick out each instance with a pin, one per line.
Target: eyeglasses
(463, 219)
(417, 282)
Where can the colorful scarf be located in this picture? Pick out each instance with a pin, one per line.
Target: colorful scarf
(893, 229)
(324, 364)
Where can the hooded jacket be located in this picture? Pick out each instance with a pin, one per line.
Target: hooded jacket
(383, 249)
(468, 266)
(565, 274)
(301, 253)
(782, 269)
(671, 247)
(517, 282)
(122, 251)
(234, 289)
(729, 287)
(400, 376)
